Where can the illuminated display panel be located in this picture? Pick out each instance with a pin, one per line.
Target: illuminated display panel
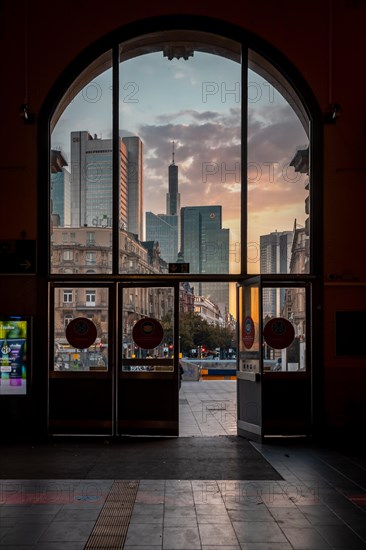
(14, 349)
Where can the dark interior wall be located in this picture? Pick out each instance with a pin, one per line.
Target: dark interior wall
(323, 39)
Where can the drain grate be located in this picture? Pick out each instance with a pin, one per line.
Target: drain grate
(111, 527)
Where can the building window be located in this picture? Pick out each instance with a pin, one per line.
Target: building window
(91, 258)
(67, 298)
(68, 255)
(90, 298)
(90, 238)
(67, 319)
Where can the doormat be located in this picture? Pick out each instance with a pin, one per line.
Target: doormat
(201, 458)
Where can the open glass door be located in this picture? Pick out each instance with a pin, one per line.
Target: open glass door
(287, 372)
(148, 378)
(274, 368)
(249, 362)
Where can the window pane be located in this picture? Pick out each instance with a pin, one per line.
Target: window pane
(278, 170)
(140, 351)
(290, 304)
(180, 144)
(81, 173)
(80, 302)
(249, 340)
(180, 123)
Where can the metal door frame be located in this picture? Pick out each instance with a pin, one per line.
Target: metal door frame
(260, 380)
(69, 379)
(163, 427)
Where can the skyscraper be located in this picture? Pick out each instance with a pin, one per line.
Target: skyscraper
(165, 228)
(205, 245)
(275, 256)
(173, 197)
(60, 189)
(135, 179)
(92, 187)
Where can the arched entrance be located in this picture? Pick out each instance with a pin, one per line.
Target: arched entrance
(213, 132)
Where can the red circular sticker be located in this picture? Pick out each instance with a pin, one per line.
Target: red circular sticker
(81, 333)
(248, 332)
(279, 333)
(147, 333)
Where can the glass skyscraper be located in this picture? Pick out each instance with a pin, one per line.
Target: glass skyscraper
(275, 256)
(205, 246)
(91, 182)
(163, 229)
(61, 198)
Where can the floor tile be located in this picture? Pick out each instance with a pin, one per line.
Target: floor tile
(340, 535)
(181, 538)
(23, 534)
(144, 534)
(258, 532)
(305, 539)
(68, 531)
(58, 546)
(217, 534)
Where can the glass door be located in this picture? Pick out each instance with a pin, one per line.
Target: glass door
(80, 389)
(148, 360)
(249, 362)
(287, 372)
(274, 367)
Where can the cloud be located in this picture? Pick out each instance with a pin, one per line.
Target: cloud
(195, 115)
(208, 154)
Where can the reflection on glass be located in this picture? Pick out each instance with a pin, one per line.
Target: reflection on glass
(290, 304)
(81, 174)
(278, 170)
(180, 145)
(249, 341)
(71, 303)
(148, 349)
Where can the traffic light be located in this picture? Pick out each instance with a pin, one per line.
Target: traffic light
(171, 347)
(203, 349)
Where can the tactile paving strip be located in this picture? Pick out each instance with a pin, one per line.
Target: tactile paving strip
(111, 527)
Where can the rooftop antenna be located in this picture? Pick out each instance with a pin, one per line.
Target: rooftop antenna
(173, 152)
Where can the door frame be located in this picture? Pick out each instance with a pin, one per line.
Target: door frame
(271, 393)
(153, 388)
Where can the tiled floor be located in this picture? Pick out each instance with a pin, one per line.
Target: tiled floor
(320, 504)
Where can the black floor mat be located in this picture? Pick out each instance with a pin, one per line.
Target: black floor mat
(207, 458)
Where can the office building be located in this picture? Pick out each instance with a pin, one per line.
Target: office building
(163, 229)
(60, 190)
(205, 246)
(275, 257)
(91, 182)
(135, 179)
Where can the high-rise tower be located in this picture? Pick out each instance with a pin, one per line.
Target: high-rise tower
(205, 246)
(173, 197)
(165, 228)
(135, 181)
(275, 256)
(92, 187)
